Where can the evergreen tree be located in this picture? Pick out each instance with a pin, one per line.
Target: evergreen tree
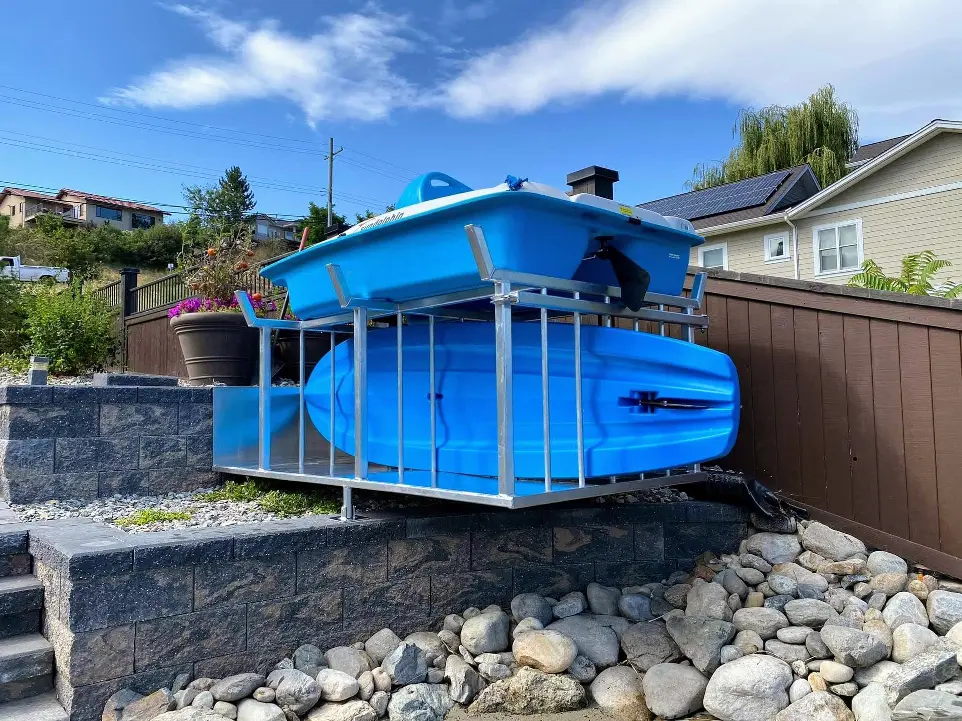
(234, 196)
(316, 220)
(821, 131)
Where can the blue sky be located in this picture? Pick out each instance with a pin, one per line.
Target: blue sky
(474, 88)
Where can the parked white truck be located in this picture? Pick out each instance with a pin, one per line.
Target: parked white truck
(11, 267)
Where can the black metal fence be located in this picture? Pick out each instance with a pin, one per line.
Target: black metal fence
(112, 293)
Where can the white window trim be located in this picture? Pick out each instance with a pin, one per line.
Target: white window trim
(722, 246)
(788, 249)
(857, 222)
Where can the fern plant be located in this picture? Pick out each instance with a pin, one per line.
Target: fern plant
(917, 277)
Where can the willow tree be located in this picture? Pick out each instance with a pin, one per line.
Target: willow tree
(821, 131)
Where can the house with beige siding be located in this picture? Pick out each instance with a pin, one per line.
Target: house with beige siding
(76, 207)
(902, 196)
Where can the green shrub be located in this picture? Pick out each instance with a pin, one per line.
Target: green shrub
(13, 315)
(77, 331)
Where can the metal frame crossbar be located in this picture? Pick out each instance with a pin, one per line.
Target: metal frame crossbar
(551, 297)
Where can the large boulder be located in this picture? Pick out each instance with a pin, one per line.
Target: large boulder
(774, 547)
(381, 644)
(701, 639)
(817, 706)
(350, 711)
(619, 692)
(530, 691)
(648, 644)
(829, 543)
(870, 704)
(944, 609)
(931, 667)
(885, 562)
(595, 642)
(548, 651)
(420, 701)
(465, 682)
(336, 685)
(904, 608)
(750, 688)
(927, 705)
(674, 691)
(531, 605)
(234, 688)
(406, 664)
(853, 647)
(487, 633)
(766, 622)
(347, 659)
(297, 691)
(909, 640)
(708, 600)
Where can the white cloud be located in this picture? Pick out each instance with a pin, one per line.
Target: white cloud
(897, 61)
(343, 71)
(455, 12)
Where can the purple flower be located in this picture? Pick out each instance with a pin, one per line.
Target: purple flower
(215, 305)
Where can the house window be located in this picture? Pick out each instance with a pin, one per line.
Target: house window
(109, 213)
(262, 230)
(713, 256)
(142, 220)
(289, 234)
(776, 248)
(838, 248)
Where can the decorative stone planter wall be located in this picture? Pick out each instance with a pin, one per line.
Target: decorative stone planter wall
(133, 610)
(81, 442)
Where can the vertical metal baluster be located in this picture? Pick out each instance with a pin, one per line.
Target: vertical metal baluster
(579, 413)
(434, 410)
(661, 324)
(689, 329)
(330, 462)
(300, 403)
(347, 504)
(636, 325)
(545, 398)
(607, 318)
(400, 399)
(505, 387)
(360, 393)
(264, 401)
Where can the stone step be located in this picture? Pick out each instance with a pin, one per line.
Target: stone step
(19, 594)
(15, 564)
(17, 624)
(39, 708)
(26, 667)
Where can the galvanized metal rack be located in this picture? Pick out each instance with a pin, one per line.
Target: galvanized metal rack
(307, 458)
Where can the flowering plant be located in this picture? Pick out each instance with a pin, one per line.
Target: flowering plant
(215, 305)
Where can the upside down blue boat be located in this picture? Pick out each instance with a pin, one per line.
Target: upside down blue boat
(419, 249)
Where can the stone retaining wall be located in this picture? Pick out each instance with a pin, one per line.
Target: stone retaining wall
(81, 442)
(133, 610)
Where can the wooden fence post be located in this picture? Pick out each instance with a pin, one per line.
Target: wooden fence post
(128, 306)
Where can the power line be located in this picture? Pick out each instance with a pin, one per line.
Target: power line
(24, 102)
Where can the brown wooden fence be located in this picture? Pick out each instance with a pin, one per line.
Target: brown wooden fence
(851, 406)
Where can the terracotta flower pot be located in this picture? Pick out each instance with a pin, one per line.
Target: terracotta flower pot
(217, 347)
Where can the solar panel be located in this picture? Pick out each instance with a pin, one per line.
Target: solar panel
(723, 199)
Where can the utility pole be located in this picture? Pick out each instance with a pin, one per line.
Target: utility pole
(330, 182)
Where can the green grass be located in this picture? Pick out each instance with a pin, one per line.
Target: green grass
(152, 515)
(280, 502)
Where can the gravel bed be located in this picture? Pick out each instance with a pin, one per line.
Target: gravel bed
(203, 514)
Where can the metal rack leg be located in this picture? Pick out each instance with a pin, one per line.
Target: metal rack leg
(434, 404)
(545, 398)
(330, 462)
(579, 408)
(400, 397)
(360, 394)
(264, 401)
(300, 403)
(347, 504)
(505, 389)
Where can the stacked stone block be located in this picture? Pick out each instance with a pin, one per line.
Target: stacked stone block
(133, 610)
(81, 442)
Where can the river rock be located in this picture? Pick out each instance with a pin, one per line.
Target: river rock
(420, 702)
(548, 651)
(234, 688)
(347, 659)
(875, 674)
(918, 589)
(909, 640)
(748, 642)
(298, 691)
(817, 706)
(787, 652)
(648, 644)
(783, 585)
(465, 682)
(617, 624)
(674, 691)
(774, 547)
(486, 633)
(204, 700)
(146, 708)
(829, 543)
(530, 691)
(885, 562)
(407, 663)
(766, 622)
(350, 711)
(381, 644)
(677, 595)
(888, 583)
(619, 692)
(732, 583)
(794, 634)
(751, 576)
(834, 672)
(729, 654)
(530, 605)
(429, 642)
(870, 704)
(750, 560)
(309, 659)
(636, 607)
(603, 599)
(816, 646)
(809, 612)
(382, 681)
(571, 604)
(928, 705)
(336, 685)
(251, 710)
(777, 602)
(944, 609)
(708, 600)
(853, 647)
(930, 668)
(751, 688)
(453, 622)
(581, 669)
(701, 640)
(594, 641)
(189, 714)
